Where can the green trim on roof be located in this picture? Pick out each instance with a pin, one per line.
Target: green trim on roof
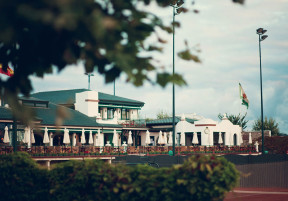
(68, 97)
(119, 106)
(168, 120)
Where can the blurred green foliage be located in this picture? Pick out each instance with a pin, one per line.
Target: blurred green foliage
(199, 178)
(22, 179)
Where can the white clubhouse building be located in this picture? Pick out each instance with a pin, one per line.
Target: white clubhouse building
(100, 116)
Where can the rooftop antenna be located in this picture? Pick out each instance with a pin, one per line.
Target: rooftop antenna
(89, 75)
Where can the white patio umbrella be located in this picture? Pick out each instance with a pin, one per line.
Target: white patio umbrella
(182, 138)
(130, 141)
(147, 138)
(26, 135)
(220, 140)
(83, 140)
(90, 138)
(195, 138)
(160, 141)
(165, 138)
(170, 139)
(6, 136)
(46, 138)
(115, 138)
(66, 139)
(250, 139)
(32, 137)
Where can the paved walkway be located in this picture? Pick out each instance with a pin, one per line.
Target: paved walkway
(258, 194)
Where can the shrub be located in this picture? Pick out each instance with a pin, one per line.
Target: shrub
(275, 144)
(199, 178)
(88, 180)
(22, 179)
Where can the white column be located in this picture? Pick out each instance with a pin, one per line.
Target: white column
(74, 139)
(104, 112)
(48, 163)
(94, 139)
(50, 139)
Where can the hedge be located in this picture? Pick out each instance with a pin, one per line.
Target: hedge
(22, 179)
(199, 178)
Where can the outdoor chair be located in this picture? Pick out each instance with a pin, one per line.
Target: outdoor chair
(49, 150)
(21, 148)
(165, 149)
(183, 148)
(67, 149)
(152, 149)
(57, 150)
(75, 150)
(107, 149)
(148, 149)
(132, 150)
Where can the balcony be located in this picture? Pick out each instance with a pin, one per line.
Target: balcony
(140, 123)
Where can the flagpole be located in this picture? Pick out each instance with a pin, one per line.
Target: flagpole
(240, 98)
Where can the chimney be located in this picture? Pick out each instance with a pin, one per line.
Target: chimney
(87, 103)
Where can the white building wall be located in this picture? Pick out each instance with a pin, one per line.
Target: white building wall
(118, 110)
(133, 114)
(225, 126)
(104, 112)
(87, 103)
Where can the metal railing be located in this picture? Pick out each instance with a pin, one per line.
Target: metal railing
(124, 150)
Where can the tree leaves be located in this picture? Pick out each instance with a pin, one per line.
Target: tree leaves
(164, 78)
(187, 55)
(37, 35)
(269, 124)
(236, 119)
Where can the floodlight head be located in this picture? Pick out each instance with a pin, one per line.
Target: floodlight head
(264, 37)
(264, 31)
(259, 31)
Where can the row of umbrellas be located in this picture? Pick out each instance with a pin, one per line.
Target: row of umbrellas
(162, 139)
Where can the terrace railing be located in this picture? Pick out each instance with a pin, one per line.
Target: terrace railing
(121, 150)
(134, 123)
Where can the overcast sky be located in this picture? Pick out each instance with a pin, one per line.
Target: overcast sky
(226, 34)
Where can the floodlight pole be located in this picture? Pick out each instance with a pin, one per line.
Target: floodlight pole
(89, 75)
(173, 87)
(14, 135)
(260, 32)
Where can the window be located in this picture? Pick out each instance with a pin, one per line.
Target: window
(35, 104)
(41, 105)
(110, 113)
(101, 114)
(125, 114)
(28, 104)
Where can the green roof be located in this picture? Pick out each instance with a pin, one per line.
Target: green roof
(48, 115)
(68, 97)
(168, 120)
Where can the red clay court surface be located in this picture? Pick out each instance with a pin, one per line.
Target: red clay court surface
(258, 194)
